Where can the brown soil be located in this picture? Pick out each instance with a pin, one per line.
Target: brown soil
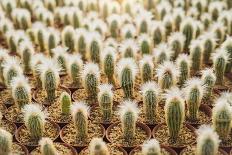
(2, 108)
(190, 150)
(17, 149)
(119, 95)
(202, 119)
(137, 151)
(81, 95)
(10, 127)
(5, 97)
(14, 115)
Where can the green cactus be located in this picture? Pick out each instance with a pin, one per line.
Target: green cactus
(47, 147)
(98, 147)
(114, 29)
(145, 45)
(68, 38)
(146, 68)
(196, 56)
(208, 48)
(75, 66)
(188, 30)
(3, 57)
(6, 142)
(11, 41)
(65, 101)
(208, 78)
(81, 45)
(94, 51)
(41, 39)
(183, 63)
(151, 147)
(127, 83)
(168, 24)
(158, 34)
(52, 41)
(227, 45)
(76, 19)
(176, 43)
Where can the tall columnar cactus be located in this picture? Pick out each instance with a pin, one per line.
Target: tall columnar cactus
(196, 55)
(3, 57)
(61, 57)
(183, 63)
(128, 31)
(65, 103)
(91, 78)
(151, 147)
(129, 48)
(94, 47)
(227, 46)
(168, 23)
(162, 53)
(108, 63)
(114, 22)
(143, 21)
(220, 60)
(127, 70)
(157, 32)
(105, 100)
(47, 147)
(178, 15)
(208, 44)
(67, 38)
(80, 114)
(167, 74)
(206, 20)
(219, 31)
(81, 41)
(176, 42)
(128, 115)
(49, 75)
(145, 44)
(98, 147)
(150, 92)
(194, 91)
(207, 141)
(174, 112)
(34, 119)
(221, 119)
(6, 142)
(53, 39)
(208, 78)
(41, 35)
(74, 69)
(146, 68)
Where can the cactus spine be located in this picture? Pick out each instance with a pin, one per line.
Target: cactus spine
(188, 30)
(151, 147)
(196, 55)
(3, 57)
(176, 42)
(208, 44)
(61, 57)
(81, 41)
(183, 63)
(47, 147)
(227, 46)
(145, 44)
(208, 78)
(174, 106)
(67, 38)
(65, 101)
(158, 33)
(150, 92)
(129, 48)
(98, 147)
(146, 68)
(94, 47)
(6, 142)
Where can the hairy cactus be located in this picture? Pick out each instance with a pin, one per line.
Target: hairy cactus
(3, 57)
(21, 18)
(80, 114)
(163, 8)
(8, 6)
(219, 31)
(6, 142)
(127, 70)
(194, 91)
(174, 112)
(207, 141)
(157, 32)
(98, 147)
(215, 8)
(167, 74)
(183, 63)
(34, 119)
(220, 60)
(206, 20)
(81, 41)
(196, 55)
(61, 57)
(143, 21)
(227, 46)
(11, 40)
(208, 78)
(67, 38)
(176, 42)
(162, 53)
(151, 147)
(50, 5)
(128, 31)
(178, 15)
(99, 26)
(129, 48)
(221, 119)
(105, 100)
(65, 102)
(114, 22)
(128, 115)
(90, 78)
(53, 39)
(150, 92)
(94, 47)
(145, 44)
(47, 147)
(146, 68)
(41, 34)
(168, 24)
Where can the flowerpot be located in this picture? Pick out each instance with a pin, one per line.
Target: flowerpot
(18, 148)
(191, 150)
(66, 82)
(113, 151)
(8, 126)
(164, 150)
(6, 98)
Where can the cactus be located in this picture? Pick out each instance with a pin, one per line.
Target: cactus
(128, 31)
(143, 21)
(53, 40)
(150, 92)
(199, 27)
(167, 74)
(80, 41)
(207, 141)
(146, 68)
(174, 112)
(183, 63)
(94, 47)
(6, 140)
(8, 6)
(90, 78)
(127, 70)
(105, 100)
(163, 8)
(168, 24)
(65, 102)
(128, 115)
(157, 32)
(114, 22)
(98, 147)
(220, 59)
(151, 147)
(67, 38)
(194, 91)
(50, 5)
(129, 49)
(208, 78)
(34, 119)
(208, 45)
(80, 113)
(219, 31)
(108, 63)
(5, 26)
(215, 9)
(221, 119)
(178, 15)
(3, 57)
(11, 40)
(22, 18)
(206, 20)
(111, 42)
(61, 57)
(161, 53)
(196, 55)
(100, 27)
(47, 147)
(176, 42)
(145, 44)
(41, 34)
(228, 96)
(227, 46)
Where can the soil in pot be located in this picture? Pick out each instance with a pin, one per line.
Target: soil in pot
(115, 136)
(62, 149)
(66, 82)
(211, 101)
(23, 136)
(187, 136)
(81, 95)
(119, 95)
(68, 134)
(3, 109)
(8, 126)
(6, 97)
(19, 149)
(190, 150)
(164, 151)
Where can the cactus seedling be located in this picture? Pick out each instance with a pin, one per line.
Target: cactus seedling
(143, 21)
(227, 46)
(129, 49)
(206, 20)
(146, 68)
(207, 141)
(41, 35)
(183, 63)
(94, 47)
(150, 92)
(215, 9)
(98, 147)
(157, 32)
(128, 115)
(105, 100)
(6, 142)
(114, 22)
(47, 147)
(65, 101)
(168, 24)
(80, 113)
(127, 70)
(61, 57)
(34, 119)
(67, 38)
(151, 147)
(176, 42)
(145, 44)
(8, 6)
(128, 31)
(99, 26)
(196, 55)
(53, 39)
(162, 53)
(178, 15)
(208, 78)
(80, 41)
(174, 112)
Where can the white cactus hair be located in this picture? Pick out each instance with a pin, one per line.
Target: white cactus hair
(76, 58)
(129, 43)
(37, 58)
(227, 42)
(208, 72)
(228, 96)
(90, 68)
(111, 42)
(162, 48)
(177, 36)
(144, 37)
(150, 86)
(128, 106)
(46, 141)
(183, 57)
(174, 93)
(220, 53)
(146, 59)
(105, 88)
(208, 36)
(80, 106)
(97, 142)
(98, 23)
(151, 144)
(26, 44)
(109, 50)
(4, 54)
(221, 104)
(128, 27)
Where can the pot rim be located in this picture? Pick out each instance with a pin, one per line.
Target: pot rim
(167, 148)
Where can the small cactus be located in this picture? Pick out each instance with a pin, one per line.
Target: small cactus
(219, 31)
(162, 53)
(127, 70)
(143, 21)
(150, 92)
(178, 15)
(21, 18)
(129, 48)
(76, 18)
(8, 6)
(114, 22)
(168, 23)
(145, 44)
(3, 57)
(196, 55)
(67, 38)
(105, 100)
(11, 40)
(53, 39)
(47, 147)
(174, 112)
(41, 35)
(98, 147)
(128, 115)
(163, 8)
(157, 32)
(151, 147)
(80, 114)
(206, 20)
(227, 46)
(65, 102)
(6, 142)
(34, 119)
(207, 141)
(215, 9)
(81, 41)
(183, 63)
(128, 31)
(146, 68)
(61, 57)
(208, 78)
(176, 42)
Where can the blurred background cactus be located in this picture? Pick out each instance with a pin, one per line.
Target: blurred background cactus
(6, 140)
(98, 146)
(47, 147)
